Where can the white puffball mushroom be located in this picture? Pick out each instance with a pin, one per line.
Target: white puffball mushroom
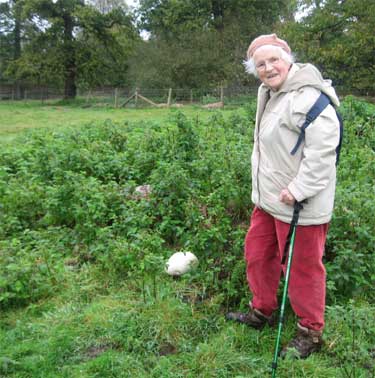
(180, 263)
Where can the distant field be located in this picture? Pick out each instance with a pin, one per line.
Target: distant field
(16, 117)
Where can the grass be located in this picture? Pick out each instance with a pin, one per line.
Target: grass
(16, 117)
(90, 329)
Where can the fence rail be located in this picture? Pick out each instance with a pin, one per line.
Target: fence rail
(118, 96)
(139, 97)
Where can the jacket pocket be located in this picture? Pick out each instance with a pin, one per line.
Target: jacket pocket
(280, 179)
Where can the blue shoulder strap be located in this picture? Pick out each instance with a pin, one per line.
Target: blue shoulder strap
(321, 103)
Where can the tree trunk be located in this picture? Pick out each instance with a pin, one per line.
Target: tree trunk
(70, 88)
(18, 90)
(218, 14)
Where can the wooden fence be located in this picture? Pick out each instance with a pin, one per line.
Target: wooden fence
(140, 97)
(134, 97)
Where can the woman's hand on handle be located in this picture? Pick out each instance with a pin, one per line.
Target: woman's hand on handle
(287, 197)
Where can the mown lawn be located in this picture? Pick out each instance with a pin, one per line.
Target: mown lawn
(16, 117)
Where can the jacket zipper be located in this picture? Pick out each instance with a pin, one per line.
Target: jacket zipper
(258, 145)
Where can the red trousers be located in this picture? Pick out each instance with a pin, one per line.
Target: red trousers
(264, 246)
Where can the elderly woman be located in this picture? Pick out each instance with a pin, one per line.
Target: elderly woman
(287, 93)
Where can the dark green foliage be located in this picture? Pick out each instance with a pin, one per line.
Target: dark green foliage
(334, 36)
(31, 265)
(196, 44)
(66, 44)
(68, 198)
(355, 338)
(351, 238)
(199, 44)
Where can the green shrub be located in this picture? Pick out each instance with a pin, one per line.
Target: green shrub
(79, 183)
(31, 266)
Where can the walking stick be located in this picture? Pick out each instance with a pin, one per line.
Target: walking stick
(289, 245)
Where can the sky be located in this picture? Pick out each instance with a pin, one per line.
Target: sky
(132, 3)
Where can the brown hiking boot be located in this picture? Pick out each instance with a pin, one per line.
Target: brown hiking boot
(254, 318)
(307, 341)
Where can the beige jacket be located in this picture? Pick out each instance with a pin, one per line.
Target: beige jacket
(310, 173)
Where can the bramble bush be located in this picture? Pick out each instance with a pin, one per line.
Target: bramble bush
(68, 195)
(351, 240)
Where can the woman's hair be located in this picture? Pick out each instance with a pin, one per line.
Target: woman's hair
(250, 64)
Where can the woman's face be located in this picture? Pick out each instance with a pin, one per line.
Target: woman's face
(271, 69)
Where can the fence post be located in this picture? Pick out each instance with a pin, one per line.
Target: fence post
(136, 97)
(222, 94)
(191, 96)
(169, 97)
(116, 98)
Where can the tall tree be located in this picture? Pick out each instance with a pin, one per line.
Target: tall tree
(337, 36)
(11, 27)
(69, 35)
(207, 39)
(5, 37)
